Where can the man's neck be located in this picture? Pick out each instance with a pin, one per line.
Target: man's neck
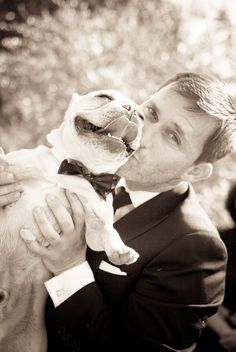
(159, 188)
(137, 197)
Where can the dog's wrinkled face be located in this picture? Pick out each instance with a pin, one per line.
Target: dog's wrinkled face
(101, 129)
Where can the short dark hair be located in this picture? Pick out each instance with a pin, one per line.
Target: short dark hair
(210, 96)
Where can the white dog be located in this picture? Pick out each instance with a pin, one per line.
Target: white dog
(101, 130)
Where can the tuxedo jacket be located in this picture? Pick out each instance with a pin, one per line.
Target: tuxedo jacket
(229, 238)
(163, 302)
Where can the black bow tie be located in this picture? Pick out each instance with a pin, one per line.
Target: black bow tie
(103, 183)
(121, 198)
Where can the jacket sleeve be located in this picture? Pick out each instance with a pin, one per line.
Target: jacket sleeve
(173, 296)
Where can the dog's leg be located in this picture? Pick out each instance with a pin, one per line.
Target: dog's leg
(100, 233)
(116, 250)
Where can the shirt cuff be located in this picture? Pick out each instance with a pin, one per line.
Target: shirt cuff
(62, 286)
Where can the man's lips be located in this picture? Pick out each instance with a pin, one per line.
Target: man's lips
(121, 130)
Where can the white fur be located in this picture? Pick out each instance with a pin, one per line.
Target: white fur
(21, 273)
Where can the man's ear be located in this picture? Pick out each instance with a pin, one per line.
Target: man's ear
(198, 172)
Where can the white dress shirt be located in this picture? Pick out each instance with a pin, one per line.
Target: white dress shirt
(64, 285)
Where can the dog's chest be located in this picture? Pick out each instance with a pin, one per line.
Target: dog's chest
(32, 167)
(20, 213)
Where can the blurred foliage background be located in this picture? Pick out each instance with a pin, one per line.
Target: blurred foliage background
(51, 48)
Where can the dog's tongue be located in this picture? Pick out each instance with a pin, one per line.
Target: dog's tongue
(122, 128)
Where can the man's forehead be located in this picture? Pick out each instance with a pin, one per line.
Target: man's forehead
(169, 97)
(169, 91)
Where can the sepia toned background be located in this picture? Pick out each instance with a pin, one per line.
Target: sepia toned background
(49, 49)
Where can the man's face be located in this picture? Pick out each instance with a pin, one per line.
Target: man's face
(173, 139)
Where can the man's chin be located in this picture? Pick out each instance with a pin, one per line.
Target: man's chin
(123, 171)
(127, 169)
(132, 186)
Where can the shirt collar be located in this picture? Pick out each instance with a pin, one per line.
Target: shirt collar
(137, 197)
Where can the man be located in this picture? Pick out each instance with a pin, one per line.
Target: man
(161, 302)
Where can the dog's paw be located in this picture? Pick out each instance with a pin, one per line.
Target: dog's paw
(123, 255)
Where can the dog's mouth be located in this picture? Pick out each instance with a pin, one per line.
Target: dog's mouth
(120, 131)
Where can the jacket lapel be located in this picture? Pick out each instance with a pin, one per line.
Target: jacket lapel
(143, 218)
(150, 213)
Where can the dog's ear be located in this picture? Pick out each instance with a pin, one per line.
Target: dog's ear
(75, 97)
(73, 106)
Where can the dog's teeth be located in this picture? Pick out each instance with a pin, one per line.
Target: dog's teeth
(118, 138)
(115, 137)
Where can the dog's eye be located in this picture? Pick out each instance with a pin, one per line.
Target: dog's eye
(105, 96)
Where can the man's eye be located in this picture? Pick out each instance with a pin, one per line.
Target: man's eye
(174, 138)
(152, 112)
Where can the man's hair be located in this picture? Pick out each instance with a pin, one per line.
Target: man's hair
(210, 96)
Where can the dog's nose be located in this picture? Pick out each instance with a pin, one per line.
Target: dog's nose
(127, 107)
(3, 295)
(130, 110)
(132, 113)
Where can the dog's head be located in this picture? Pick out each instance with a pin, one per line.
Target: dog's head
(102, 129)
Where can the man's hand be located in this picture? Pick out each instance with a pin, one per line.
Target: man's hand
(60, 251)
(10, 188)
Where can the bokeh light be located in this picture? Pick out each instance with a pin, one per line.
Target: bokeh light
(49, 49)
